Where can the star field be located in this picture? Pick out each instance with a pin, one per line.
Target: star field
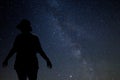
(81, 37)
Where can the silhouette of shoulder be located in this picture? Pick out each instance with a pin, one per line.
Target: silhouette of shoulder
(25, 37)
(27, 41)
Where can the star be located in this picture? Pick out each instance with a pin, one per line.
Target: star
(70, 76)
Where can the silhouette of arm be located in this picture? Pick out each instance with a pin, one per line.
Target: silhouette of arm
(5, 63)
(42, 53)
(10, 54)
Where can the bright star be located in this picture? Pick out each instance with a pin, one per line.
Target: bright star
(70, 76)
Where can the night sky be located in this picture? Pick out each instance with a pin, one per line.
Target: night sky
(81, 37)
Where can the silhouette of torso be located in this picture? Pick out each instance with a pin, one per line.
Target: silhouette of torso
(26, 46)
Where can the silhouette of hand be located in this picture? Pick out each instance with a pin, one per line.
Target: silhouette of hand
(5, 63)
(49, 64)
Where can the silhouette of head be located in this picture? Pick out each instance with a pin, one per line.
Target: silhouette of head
(24, 26)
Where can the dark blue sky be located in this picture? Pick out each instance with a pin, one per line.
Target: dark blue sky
(81, 37)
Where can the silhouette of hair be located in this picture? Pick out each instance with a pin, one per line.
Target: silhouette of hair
(24, 26)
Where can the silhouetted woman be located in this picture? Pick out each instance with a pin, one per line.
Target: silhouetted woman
(26, 46)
